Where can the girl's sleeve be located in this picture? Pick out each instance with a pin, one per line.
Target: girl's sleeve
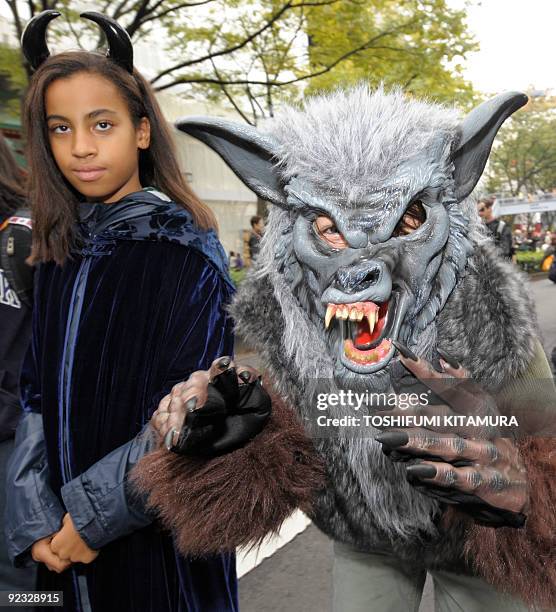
(33, 511)
(100, 501)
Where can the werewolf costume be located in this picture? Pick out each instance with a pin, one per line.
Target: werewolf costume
(363, 158)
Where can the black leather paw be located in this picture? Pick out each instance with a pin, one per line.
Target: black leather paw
(232, 416)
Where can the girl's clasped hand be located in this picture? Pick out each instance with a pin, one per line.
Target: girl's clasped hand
(63, 548)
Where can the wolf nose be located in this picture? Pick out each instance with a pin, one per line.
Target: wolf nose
(354, 279)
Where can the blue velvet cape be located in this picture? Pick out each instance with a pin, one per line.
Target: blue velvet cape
(136, 310)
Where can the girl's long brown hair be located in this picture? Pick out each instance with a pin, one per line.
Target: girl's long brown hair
(12, 182)
(53, 200)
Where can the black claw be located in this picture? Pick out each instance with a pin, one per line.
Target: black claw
(448, 359)
(245, 376)
(393, 439)
(409, 354)
(421, 471)
(224, 363)
(191, 404)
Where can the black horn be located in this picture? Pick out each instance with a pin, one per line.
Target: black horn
(33, 39)
(120, 48)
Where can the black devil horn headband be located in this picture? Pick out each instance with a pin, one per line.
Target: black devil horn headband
(35, 49)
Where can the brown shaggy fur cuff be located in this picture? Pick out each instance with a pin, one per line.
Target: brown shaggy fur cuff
(522, 562)
(214, 505)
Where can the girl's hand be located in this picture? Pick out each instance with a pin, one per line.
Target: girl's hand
(68, 545)
(41, 553)
(191, 395)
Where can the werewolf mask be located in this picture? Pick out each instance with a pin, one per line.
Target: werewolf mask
(370, 228)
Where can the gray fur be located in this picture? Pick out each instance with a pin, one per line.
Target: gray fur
(348, 144)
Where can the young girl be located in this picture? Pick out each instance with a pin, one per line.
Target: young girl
(129, 300)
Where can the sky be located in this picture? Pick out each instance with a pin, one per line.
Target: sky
(517, 44)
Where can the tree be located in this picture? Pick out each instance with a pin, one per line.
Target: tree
(524, 157)
(321, 45)
(12, 80)
(417, 44)
(251, 51)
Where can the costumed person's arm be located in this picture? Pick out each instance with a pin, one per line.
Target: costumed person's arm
(237, 468)
(33, 511)
(523, 561)
(507, 486)
(100, 502)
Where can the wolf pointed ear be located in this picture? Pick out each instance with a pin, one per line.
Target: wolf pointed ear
(249, 153)
(478, 131)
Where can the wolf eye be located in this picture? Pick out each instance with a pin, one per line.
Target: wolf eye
(327, 230)
(413, 217)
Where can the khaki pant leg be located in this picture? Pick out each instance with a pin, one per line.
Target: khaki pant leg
(374, 582)
(460, 593)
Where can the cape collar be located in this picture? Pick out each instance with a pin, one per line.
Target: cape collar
(94, 217)
(150, 215)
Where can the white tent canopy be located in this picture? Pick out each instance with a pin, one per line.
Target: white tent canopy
(517, 206)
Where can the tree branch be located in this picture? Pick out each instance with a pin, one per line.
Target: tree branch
(105, 6)
(12, 4)
(76, 34)
(120, 9)
(230, 98)
(174, 8)
(286, 7)
(142, 10)
(252, 104)
(206, 80)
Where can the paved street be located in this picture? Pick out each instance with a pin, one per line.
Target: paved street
(297, 578)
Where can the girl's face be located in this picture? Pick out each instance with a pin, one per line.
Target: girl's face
(92, 137)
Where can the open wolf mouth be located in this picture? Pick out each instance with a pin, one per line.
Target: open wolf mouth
(368, 329)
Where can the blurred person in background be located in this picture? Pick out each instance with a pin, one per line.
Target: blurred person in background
(517, 240)
(498, 229)
(15, 332)
(257, 229)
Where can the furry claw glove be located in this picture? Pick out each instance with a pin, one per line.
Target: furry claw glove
(232, 415)
(214, 505)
